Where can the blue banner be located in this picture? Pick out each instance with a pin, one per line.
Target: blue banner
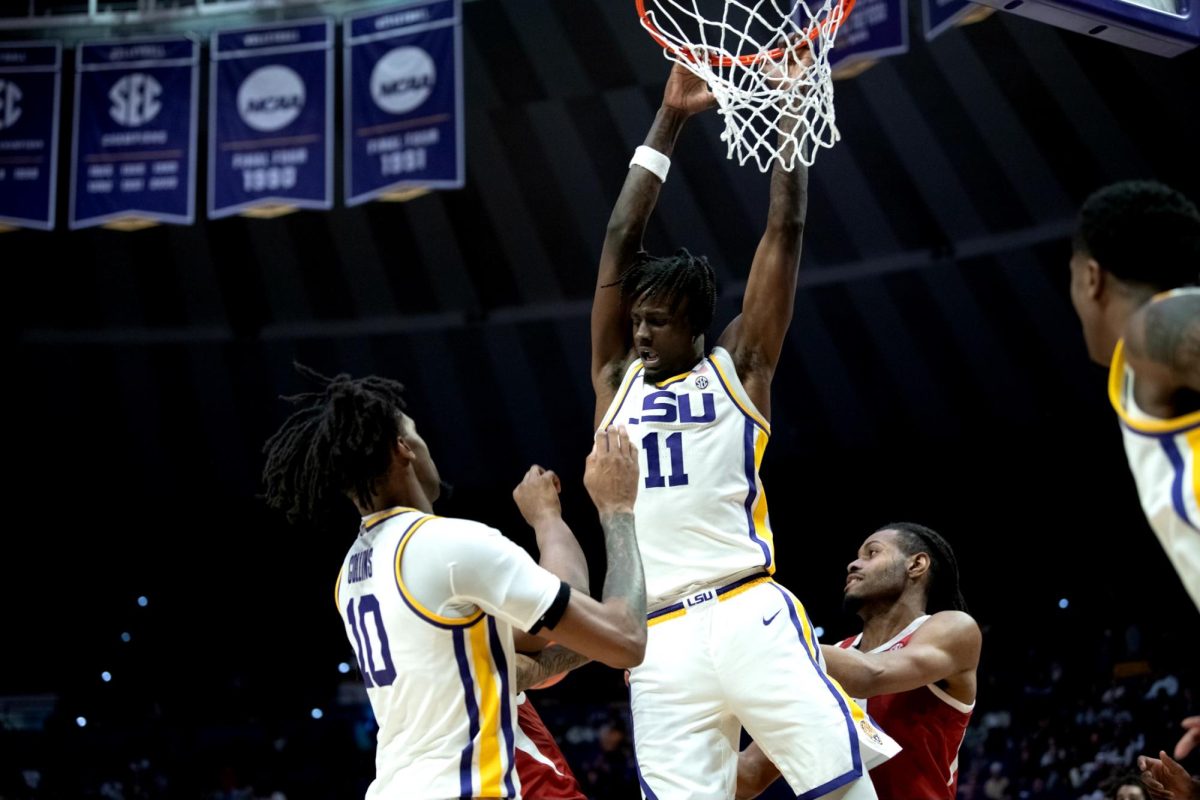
(270, 134)
(30, 79)
(940, 15)
(875, 28)
(404, 100)
(133, 156)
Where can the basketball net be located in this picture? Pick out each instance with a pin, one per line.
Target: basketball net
(751, 59)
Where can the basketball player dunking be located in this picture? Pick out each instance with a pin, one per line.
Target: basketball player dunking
(915, 662)
(727, 647)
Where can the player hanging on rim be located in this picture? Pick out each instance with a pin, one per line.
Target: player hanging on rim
(430, 604)
(727, 646)
(914, 661)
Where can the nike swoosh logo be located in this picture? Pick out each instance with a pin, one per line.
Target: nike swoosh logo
(770, 619)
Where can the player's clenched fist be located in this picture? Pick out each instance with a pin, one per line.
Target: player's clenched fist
(537, 495)
(611, 476)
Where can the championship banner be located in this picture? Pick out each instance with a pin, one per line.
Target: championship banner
(133, 155)
(30, 80)
(876, 28)
(270, 122)
(404, 100)
(941, 15)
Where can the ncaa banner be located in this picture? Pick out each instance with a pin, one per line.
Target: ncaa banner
(30, 81)
(875, 28)
(270, 134)
(133, 156)
(404, 100)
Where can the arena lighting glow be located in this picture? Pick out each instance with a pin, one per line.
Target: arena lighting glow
(343, 668)
(317, 713)
(106, 676)
(81, 722)
(1064, 603)
(125, 637)
(143, 601)
(818, 631)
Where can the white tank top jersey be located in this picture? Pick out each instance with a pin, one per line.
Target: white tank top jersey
(429, 605)
(1164, 457)
(701, 513)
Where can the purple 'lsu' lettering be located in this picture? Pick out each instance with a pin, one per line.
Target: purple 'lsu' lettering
(669, 407)
(700, 598)
(360, 566)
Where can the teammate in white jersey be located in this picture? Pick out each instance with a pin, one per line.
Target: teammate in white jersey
(727, 646)
(430, 605)
(1137, 243)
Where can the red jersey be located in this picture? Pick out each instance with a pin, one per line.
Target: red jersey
(541, 767)
(928, 723)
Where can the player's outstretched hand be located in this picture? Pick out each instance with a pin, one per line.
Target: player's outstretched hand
(1190, 739)
(537, 495)
(687, 93)
(611, 475)
(1166, 779)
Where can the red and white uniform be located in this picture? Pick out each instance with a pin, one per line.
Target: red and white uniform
(928, 723)
(540, 764)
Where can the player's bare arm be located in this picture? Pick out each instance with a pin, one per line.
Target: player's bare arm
(613, 629)
(541, 667)
(684, 96)
(944, 651)
(1162, 343)
(537, 498)
(754, 339)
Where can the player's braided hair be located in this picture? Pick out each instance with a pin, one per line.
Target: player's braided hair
(1142, 232)
(674, 278)
(943, 592)
(338, 440)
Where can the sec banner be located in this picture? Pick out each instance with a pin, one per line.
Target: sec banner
(403, 94)
(270, 142)
(30, 78)
(133, 154)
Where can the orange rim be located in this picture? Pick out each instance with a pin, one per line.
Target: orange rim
(844, 7)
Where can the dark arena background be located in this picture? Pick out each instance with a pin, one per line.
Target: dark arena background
(166, 635)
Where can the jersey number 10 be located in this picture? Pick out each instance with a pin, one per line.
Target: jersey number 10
(368, 605)
(654, 476)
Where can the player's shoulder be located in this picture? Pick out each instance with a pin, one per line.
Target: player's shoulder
(951, 626)
(1160, 331)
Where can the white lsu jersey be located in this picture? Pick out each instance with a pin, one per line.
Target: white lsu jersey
(439, 676)
(701, 513)
(1164, 457)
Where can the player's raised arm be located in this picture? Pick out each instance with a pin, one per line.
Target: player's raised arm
(755, 338)
(537, 498)
(685, 95)
(944, 648)
(612, 630)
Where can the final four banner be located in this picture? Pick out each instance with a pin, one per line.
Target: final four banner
(404, 100)
(30, 79)
(876, 28)
(270, 141)
(133, 157)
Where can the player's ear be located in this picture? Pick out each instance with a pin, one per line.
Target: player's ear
(401, 451)
(1094, 278)
(918, 565)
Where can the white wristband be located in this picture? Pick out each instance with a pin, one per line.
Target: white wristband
(650, 159)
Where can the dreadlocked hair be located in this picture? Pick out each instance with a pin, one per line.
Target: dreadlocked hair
(673, 278)
(338, 440)
(1142, 232)
(943, 592)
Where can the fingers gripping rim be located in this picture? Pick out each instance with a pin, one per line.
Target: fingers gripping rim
(833, 20)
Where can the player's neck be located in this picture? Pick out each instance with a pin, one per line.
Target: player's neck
(883, 621)
(404, 492)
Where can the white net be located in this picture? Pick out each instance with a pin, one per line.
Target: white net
(754, 56)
